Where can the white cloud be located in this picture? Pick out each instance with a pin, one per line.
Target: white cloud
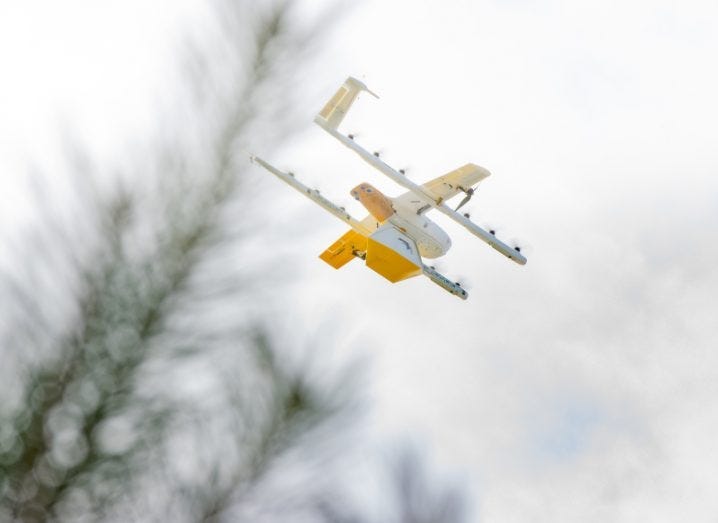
(582, 386)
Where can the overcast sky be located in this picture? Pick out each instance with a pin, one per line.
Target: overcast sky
(580, 387)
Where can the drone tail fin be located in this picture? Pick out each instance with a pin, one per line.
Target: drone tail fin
(338, 105)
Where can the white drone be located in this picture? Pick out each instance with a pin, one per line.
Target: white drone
(396, 234)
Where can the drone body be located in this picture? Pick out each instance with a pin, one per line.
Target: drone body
(396, 234)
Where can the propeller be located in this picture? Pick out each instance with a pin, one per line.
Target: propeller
(469, 193)
(379, 153)
(437, 266)
(521, 246)
(493, 228)
(464, 283)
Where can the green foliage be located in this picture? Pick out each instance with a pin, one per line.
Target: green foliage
(143, 399)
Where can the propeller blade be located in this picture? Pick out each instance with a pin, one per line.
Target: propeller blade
(464, 201)
(493, 228)
(438, 266)
(469, 193)
(521, 246)
(464, 283)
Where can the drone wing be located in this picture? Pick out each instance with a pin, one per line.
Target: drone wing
(316, 197)
(458, 180)
(443, 188)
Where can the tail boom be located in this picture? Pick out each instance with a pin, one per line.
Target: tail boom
(444, 282)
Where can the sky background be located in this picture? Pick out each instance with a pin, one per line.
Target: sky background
(582, 386)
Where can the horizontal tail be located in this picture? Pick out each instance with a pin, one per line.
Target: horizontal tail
(337, 107)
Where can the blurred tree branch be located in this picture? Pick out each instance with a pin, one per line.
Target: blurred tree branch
(142, 400)
(127, 296)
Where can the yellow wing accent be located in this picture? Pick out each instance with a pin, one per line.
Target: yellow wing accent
(342, 251)
(448, 185)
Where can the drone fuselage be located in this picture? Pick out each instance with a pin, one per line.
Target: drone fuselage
(431, 240)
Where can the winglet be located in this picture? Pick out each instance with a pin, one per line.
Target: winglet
(338, 105)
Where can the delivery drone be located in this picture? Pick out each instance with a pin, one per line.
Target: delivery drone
(396, 235)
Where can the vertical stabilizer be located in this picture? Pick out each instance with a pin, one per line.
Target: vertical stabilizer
(337, 107)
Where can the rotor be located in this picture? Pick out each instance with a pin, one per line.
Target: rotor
(469, 193)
